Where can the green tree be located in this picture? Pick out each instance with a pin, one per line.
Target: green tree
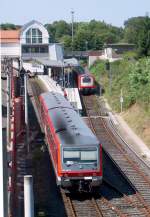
(144, 38)
(139, 78)
(87, 35)
(67, 41)
(8, 26)
(137, 31)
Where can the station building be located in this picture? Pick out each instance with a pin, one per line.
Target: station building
(31, 41)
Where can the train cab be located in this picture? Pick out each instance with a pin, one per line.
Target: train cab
(86, 83)
(81, 167)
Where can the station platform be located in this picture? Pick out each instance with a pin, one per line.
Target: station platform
(72, 94)
(74, 98)
(50, 84)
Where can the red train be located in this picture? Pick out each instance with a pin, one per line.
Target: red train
(85, 81)
(75, 152)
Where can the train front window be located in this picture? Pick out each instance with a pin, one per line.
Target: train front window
(86, 80)
(80, 157)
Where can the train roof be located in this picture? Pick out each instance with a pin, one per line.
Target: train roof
(86, 75)
(69, 126)
(54, 100)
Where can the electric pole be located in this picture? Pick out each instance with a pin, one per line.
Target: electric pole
(8, 105)
(72, 18)
(26, 111)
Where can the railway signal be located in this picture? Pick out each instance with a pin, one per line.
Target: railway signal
(107, 64)
(108, 68)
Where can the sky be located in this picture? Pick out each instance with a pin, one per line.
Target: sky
(113, 12)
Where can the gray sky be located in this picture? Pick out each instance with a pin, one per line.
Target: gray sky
(111, 11)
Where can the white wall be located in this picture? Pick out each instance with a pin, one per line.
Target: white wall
(10, 49)
(92, 59)
(56, 52)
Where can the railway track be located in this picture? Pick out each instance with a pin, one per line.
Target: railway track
(130, 168)
(81, 205)
(78, 205)
(110, 200)
(98, 205)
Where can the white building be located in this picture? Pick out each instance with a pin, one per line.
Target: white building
(29, 42)
(106, 54)
(10, 43)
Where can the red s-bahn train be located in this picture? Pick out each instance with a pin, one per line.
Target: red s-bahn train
(85, 81)
(75, 151)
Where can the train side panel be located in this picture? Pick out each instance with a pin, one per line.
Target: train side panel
(52, 140)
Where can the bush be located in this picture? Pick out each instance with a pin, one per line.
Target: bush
(132, 77)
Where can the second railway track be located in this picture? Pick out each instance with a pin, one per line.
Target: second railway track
(130, 168)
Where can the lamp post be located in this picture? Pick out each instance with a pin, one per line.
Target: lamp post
(72, 28)
(86, 45)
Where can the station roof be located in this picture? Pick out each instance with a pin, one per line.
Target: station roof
(49, 62)
(9, 36)
(58, 63)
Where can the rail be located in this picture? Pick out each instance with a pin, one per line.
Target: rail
(118, 153)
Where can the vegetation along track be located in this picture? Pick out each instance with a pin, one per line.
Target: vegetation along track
(129, 167)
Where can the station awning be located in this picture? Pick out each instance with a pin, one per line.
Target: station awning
(59, 63)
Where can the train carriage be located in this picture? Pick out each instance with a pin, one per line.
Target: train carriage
(75, 152)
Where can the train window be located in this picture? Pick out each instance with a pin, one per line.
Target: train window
(86, 80)
(89, 155)
(71, 154)
(80, 156)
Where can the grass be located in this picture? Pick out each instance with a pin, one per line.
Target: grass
(139, 121)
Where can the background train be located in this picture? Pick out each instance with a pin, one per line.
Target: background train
(76, 77)
(75, 151)
(84, 80)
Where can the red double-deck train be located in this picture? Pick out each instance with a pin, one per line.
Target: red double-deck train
(75, 151)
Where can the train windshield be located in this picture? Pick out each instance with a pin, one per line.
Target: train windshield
(86, 80)
(80, 157)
